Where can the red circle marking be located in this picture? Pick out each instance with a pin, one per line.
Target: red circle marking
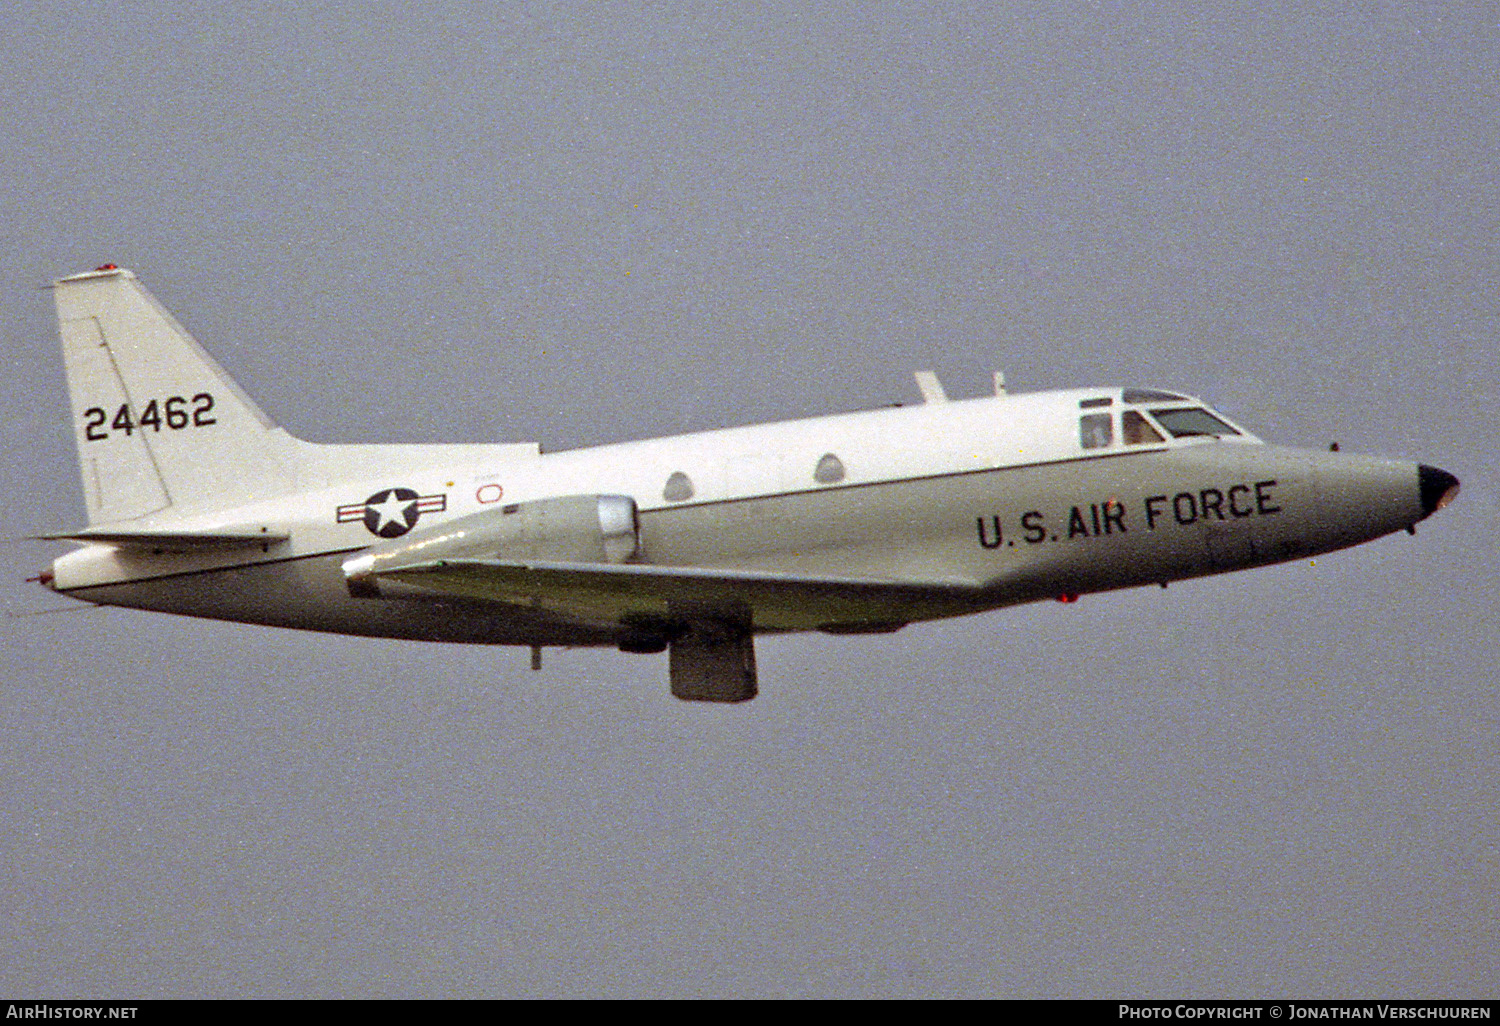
(488, 493)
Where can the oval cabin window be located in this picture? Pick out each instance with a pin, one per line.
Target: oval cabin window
(830, 470)
(679, 487)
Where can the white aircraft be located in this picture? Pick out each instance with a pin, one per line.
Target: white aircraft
(862, 522)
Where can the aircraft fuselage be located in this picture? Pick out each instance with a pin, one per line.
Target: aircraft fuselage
(999, 504)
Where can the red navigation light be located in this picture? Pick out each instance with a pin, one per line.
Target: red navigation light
(1067, 597)
(106, 267)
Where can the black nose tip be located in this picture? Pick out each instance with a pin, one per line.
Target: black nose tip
(1438, 488)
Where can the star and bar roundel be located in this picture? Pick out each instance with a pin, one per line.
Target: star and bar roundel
(392, 512)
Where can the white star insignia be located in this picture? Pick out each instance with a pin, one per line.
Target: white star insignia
(392, 510)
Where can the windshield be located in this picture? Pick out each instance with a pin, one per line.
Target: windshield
(1185, 423)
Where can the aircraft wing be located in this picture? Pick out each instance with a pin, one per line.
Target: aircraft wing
(778, 599)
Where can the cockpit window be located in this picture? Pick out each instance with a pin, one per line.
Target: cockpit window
(1086, 403)
(1192, 421)
(1138, 430)
(1150, 395)
(1095, 430)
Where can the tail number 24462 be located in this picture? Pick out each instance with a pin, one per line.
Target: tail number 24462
(172, 414)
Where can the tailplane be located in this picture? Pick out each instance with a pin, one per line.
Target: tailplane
(159, 424)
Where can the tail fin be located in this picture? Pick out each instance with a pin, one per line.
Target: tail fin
(158, 423)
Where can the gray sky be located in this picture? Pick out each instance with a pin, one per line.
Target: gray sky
(577, 223)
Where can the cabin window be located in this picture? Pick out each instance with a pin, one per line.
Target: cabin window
(679, 487)
(830, 469)
(1191, 422)
(1096, 430)
(1138, 430)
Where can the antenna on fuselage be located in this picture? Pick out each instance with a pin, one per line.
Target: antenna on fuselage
(999, 382)
(932, 388)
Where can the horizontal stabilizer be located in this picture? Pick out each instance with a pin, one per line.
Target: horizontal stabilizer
(175, 540)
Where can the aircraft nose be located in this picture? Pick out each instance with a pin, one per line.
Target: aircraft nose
(1438, 488)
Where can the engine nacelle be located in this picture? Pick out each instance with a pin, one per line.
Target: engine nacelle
(567, 529)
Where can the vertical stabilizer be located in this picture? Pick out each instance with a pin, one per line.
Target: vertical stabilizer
(158, 422)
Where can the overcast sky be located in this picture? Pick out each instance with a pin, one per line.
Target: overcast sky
(579, 223)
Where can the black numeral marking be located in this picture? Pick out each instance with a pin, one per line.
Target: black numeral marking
(200, 412)
(93, 428)
(122, 421)
(171, 412)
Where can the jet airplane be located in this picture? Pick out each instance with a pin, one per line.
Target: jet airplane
(853, 523)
